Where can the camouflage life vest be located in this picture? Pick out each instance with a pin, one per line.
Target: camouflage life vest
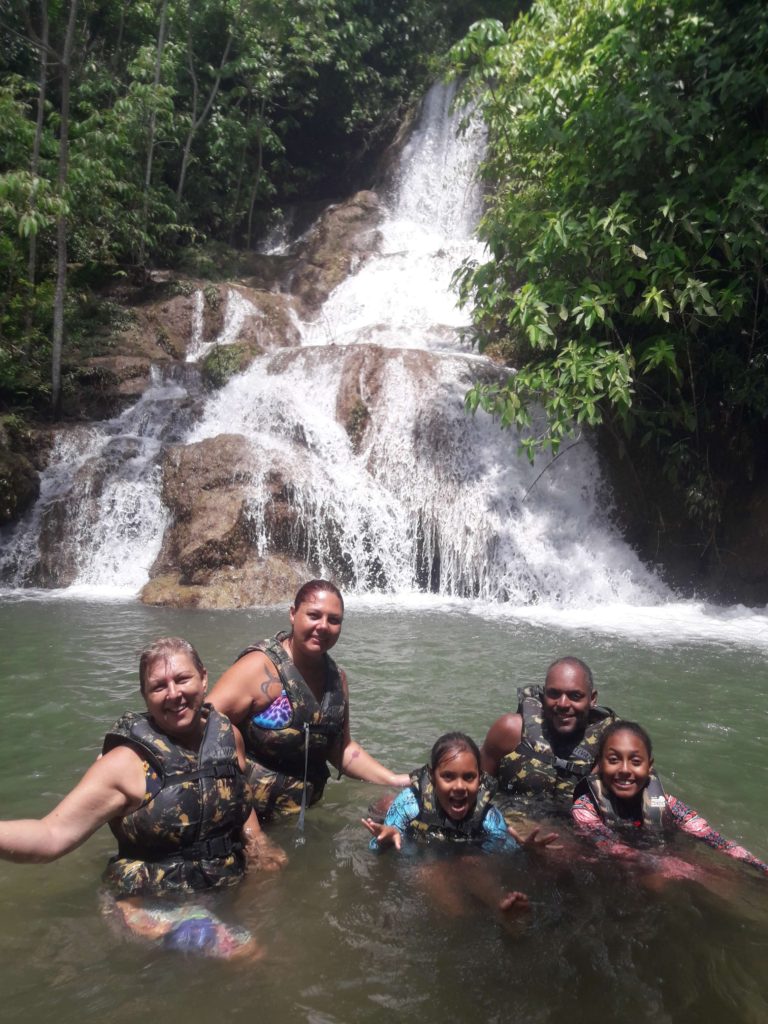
(656, 817)
(277, 755)
(433, 823)
(185, 836)
(533, 769)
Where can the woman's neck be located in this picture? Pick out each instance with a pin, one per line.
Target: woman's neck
(312, 669)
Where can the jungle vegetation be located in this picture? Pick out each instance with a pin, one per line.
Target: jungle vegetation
(625, 277)
(134, 130)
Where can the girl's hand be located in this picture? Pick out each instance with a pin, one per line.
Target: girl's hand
(514, 901)
(385, 835)
(534, 842)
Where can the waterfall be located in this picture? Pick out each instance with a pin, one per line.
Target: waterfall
(394, 487)
(433, 498)
(403, 298)
(99, 509)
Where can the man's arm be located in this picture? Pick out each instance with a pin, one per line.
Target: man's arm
(503, 737)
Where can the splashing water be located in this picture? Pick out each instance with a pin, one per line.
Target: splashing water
(237, 312)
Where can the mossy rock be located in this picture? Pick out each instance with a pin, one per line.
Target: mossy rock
(19, 482)
(356, 424)
(225, 361)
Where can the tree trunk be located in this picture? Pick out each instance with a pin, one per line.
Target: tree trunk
(35, 166)
(152, 127)
(198, 121)
(61, 225)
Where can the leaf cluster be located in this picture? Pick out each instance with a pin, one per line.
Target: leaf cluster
(626, 227)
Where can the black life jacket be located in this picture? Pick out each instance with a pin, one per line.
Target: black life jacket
(533, 769)
(282, 750)
(656, 817)
(187, 835)
(433, 823)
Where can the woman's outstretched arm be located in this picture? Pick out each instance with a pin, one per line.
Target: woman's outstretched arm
(113, 786)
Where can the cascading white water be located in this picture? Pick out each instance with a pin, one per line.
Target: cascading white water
(237, 312)
(418, 496)
(403, 297)
(100, 498)
(435, 498)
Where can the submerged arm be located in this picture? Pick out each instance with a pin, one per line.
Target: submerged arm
(260, 851)
(690, 822)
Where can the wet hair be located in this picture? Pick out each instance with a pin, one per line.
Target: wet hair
(313, 587)
(621, 726)
(576, 663)
(452, 743)
(164, 647)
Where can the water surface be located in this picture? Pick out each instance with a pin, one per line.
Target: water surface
(349, 936)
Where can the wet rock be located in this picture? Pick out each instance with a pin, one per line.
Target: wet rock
(343, 238)
(108, 383)
(210, 554)
(19, 484)
(264, 581)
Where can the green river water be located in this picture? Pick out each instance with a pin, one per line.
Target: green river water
(349, 936)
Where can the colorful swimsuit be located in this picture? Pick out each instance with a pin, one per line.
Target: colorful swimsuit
(275, 737)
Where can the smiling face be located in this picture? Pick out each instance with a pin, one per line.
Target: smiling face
(174, 691)
(456, 779)
(316, 623)
(568, 698)
(625, 764)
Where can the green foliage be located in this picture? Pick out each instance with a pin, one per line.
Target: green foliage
(183, 140)
(625, 227)
(224, 361)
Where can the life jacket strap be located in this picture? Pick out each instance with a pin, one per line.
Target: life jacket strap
(221, 770)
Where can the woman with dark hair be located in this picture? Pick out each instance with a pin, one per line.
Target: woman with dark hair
(291, 701)
(172, 788)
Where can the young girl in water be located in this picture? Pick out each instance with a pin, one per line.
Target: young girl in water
(451, 800)
(625, 796)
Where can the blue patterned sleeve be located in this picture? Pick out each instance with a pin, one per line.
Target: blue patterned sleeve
(495, 829)
(402, 811)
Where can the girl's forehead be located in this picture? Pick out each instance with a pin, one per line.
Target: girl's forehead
(626, 738)
(455, 753)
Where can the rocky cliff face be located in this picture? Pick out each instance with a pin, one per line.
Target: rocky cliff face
(210, 555)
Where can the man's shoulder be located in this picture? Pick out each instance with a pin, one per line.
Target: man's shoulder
(504, 734)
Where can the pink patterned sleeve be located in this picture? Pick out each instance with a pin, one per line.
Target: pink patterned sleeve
(692, 823)
(589, 824)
